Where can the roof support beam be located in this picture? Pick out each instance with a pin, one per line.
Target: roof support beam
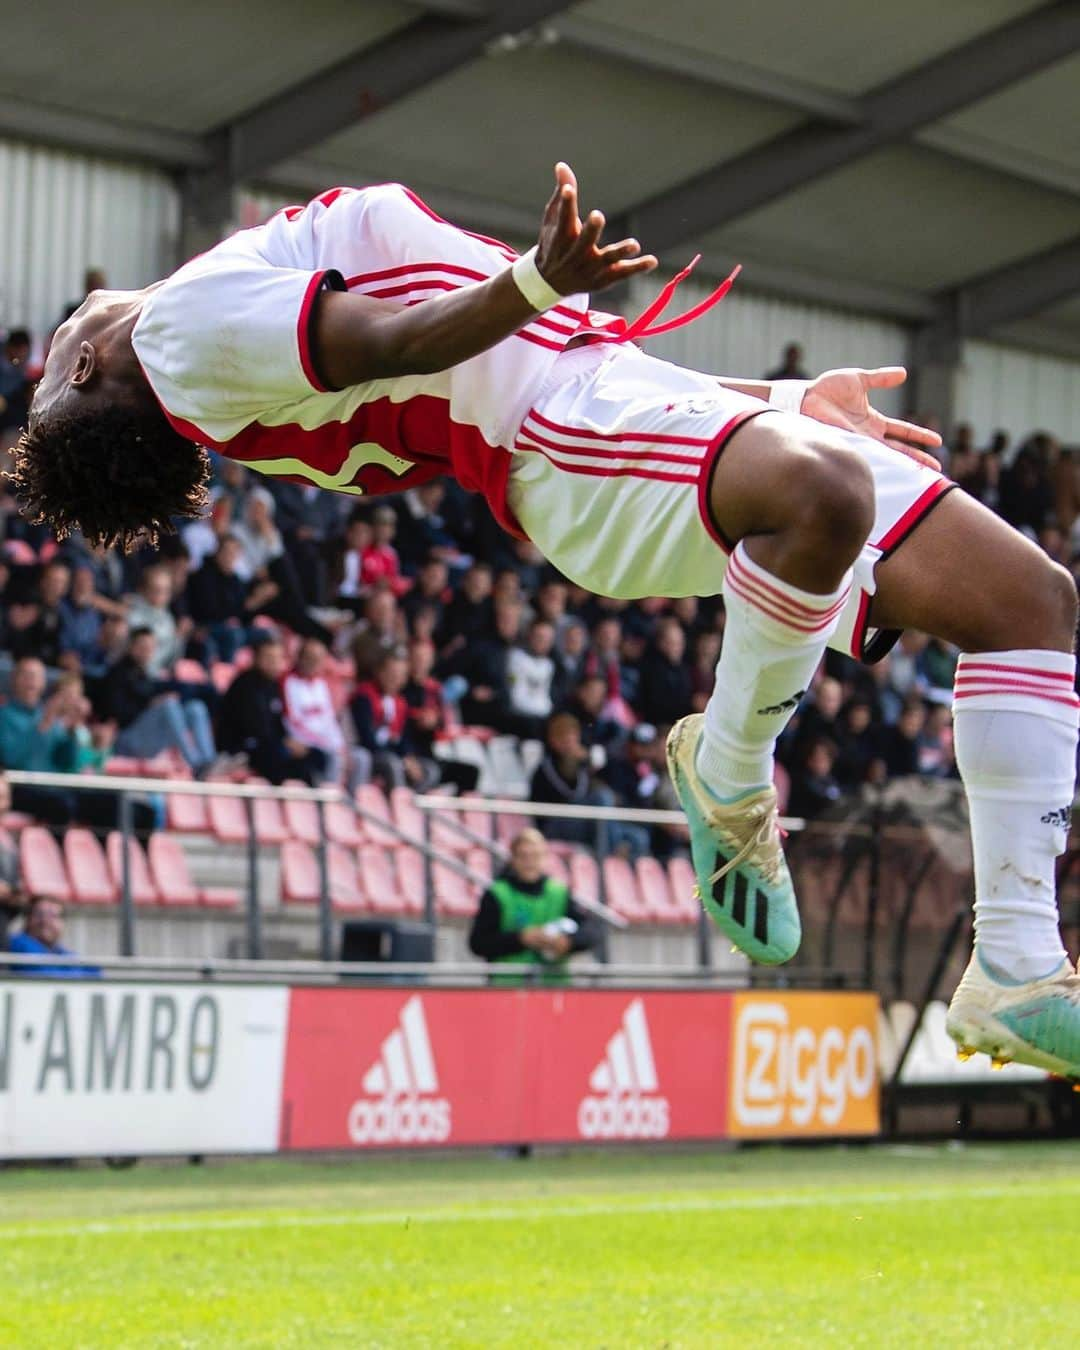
(43, 124)
(1019, 290)
(368, 81)
(892, 112)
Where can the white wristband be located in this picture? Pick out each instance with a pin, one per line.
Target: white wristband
(531, 284)
(787, 395)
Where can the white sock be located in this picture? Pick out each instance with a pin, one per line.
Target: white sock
(773, 640)
(1015, 717)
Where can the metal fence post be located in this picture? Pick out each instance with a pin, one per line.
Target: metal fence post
(127, 905)
(252, 914)
(429, 874)
(326, 922)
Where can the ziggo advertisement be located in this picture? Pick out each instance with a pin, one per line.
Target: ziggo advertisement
(92, 1069)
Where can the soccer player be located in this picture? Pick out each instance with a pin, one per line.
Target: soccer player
(364, 344)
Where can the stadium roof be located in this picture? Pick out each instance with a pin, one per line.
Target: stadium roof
(920, 160)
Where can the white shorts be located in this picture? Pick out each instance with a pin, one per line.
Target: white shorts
(610, 479)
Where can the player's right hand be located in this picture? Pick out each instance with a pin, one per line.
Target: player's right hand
(569, 254)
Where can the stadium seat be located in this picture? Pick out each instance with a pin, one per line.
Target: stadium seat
(228, 819)
(299, 874)
(187, 813)
(446, 833)
(406, 815)
(301, 817)
(479, 860)
(346, 892)
(507, 769)
(584, 877)
(342, 824)
(508, 827)
(558, 866)
(143, 890)
(409, 864)
(655, 891)
(681, 877)
(91, 883)
(621, 890)
(374, 814)
(123, 766)
(168, 867)
(42, 864)
(270, 827)
(452, 891)
(379, 881)
(480, 823)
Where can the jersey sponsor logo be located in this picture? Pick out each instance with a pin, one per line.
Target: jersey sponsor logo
(1061, 817)
(402, 1105)
(802, 1075)
(625, 1102)
(788, 705)
(358, 458)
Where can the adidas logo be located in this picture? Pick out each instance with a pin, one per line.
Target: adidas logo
(1062, 817)
(627, 1104)
(401, 1107)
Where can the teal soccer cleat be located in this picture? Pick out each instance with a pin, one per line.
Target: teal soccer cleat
(743, 878)
(1035, 1022)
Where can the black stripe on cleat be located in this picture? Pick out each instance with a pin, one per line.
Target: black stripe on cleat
(761, 918)
(719, 886)
(738, 899)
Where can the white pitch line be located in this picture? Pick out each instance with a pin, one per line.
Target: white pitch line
(402, 1218)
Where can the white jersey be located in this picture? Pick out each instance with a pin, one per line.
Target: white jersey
(226, 345)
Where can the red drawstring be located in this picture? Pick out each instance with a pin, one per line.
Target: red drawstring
(641, 326)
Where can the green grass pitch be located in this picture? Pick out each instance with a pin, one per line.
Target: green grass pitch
(920, 1246)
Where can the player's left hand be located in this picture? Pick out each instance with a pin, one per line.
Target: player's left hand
(841, 398)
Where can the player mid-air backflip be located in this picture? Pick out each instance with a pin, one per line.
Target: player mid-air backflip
(301, 348)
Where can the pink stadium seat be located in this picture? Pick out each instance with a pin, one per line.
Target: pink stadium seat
(507, 828)
(409, 863)
(14, 821)
(91, 883)
(143, 890)
(187, 814)
(558, 866)
(346, 892)
(270, 827)
(191, 672)
(655, 891)
(168, 867)
(299, 874)
(374, 812)
(621, 890)
(123, 766)
(228, 819)
(584, 877)
(407, 816)
(682, 879)
(452, 891)
(342, 824)
(301, 817)
(42, 864)
(445, 834)
(379, 880)
(479, 860)
(480, 823)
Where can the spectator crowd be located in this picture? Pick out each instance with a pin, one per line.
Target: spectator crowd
(297, 634)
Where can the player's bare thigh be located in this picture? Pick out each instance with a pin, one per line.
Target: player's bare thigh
(966, 577)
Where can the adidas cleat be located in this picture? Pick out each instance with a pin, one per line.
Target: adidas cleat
(743, 879)
(1035, 1022)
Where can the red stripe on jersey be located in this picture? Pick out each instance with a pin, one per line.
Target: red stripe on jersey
(584, 434)
(471, 274)
(592, 471)
(971, 667)
(607, 452)
(303, 333)
(911, 516)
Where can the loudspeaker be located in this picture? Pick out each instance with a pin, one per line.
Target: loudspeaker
(388, 940)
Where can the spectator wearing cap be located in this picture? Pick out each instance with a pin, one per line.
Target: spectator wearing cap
(529, 922)
(380, 718)
(252, 720)
(43, 927)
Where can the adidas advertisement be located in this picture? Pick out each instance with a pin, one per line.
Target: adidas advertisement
(627, 1103)
(401, 1105)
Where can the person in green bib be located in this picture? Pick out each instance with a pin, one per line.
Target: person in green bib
(529, 921)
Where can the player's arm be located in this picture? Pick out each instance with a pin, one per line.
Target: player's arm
(360, 339)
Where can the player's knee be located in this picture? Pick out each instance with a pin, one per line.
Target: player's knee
(838, 493)
(1059, 597)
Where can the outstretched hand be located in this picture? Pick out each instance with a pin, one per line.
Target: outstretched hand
(841, 398)
(569, 254)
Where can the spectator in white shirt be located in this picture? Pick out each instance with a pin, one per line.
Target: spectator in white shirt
(530, 671)
(310, 715)
(150, 609)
